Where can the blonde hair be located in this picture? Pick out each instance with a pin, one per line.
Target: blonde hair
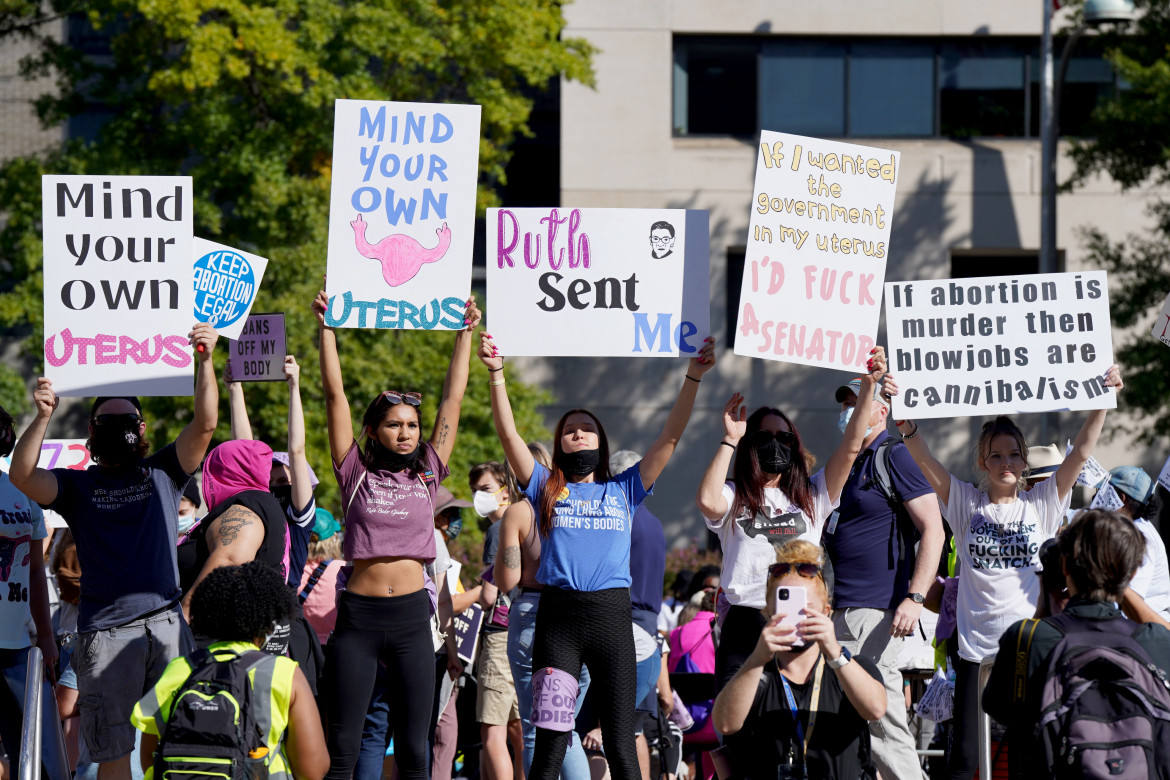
(1000, 426)
(323, 550)
(796, 551)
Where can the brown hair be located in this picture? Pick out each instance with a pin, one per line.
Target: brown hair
(492, 467)
(749, 479)
(1101, 551)
(557, 479)
(797, 551)
(1000, 426)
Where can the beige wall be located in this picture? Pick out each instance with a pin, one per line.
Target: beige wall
(618, 151)
(20, 131)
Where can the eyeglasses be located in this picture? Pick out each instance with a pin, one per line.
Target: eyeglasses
(394, 398)
(663, 240)
(787, 438)
(806, 570)
(113, 419)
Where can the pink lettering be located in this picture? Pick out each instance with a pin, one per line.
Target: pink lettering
(108, 349)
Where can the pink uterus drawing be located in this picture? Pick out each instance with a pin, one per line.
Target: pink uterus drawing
(401, 255)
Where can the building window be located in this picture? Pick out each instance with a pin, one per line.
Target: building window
(971, 263)
(981, 89)
(891, 89)
(716, 81)
(802, 87)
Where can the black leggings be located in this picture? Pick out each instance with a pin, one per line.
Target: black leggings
(738, 637)
(963, 759)
(397, 631)
(594, 628)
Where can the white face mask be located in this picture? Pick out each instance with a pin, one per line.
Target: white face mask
(185, 522)
(846, 416)
(485, 503)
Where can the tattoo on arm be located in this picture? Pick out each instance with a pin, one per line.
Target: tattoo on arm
(232, 522)
(512, 557)
(444, 429)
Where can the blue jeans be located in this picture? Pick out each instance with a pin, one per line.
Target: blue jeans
(521, 633)
(13, 667)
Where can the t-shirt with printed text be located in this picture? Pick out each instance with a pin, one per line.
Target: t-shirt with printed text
(389, 513)
(588, 548)
(21, 523)
(749, 543)
(997, 546)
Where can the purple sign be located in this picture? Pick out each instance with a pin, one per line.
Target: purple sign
(258, 354)
(554, 699)
(466, 626)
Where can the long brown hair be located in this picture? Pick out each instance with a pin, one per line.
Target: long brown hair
(557, 479)
(749, 479)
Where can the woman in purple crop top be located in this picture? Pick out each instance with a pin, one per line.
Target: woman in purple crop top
(388, 488)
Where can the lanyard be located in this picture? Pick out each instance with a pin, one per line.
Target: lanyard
(812, 709)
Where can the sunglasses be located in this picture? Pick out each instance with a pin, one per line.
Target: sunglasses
(394, 398)
(806, 570)
(112, 419)
(787, 438)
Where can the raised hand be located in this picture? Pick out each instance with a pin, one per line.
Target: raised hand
(877, 364)
(292, 371)
(1113, 377)
(44, 398)
(704, 361)
(320, 306)
(734, 419)
(203, 338)
(471, 315)
(488, 354)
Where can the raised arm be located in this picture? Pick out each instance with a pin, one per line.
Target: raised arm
(193, 440)
(302, 483)
(336, 404)
(841, 461)
(241, 427)
(454, 386)
(515, 448)
(38, 484)
(659, 453)
(936, 473)
(710, 498)
(1066, 475)
(232, 540)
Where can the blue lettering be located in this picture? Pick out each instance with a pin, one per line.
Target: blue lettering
(396, 209)
(683, 332)
(661, 331)
(441, 129)
(357, 201)
(440, 205)
(368, 127)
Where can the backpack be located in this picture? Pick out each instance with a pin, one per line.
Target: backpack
(1105, 705)
(213, 732)
(906, 533)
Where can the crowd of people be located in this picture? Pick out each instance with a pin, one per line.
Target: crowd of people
(265, 636)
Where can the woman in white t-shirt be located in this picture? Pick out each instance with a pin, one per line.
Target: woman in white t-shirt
(770, 500)
(998, 527)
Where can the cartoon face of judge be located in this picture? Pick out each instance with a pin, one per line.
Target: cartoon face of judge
(661, 239)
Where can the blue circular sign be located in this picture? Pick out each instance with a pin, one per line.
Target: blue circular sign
(225, 285)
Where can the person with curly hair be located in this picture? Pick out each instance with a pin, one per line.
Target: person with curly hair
(240, 607)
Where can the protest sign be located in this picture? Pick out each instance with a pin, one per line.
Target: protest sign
(466, 627)
(226, 281)
(816, 255)
(1092, 473)
(258, 354)
(57, 453)
(1000, 344)
(117, 277)
(1161, 329)
(1106, 498)
(598, 282)
(1164, 477)
(401, 214)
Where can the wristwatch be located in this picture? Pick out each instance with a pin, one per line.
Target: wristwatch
(917, 598)
(842, 659)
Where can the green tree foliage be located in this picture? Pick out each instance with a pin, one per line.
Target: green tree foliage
(239, 95)
(1129, 139)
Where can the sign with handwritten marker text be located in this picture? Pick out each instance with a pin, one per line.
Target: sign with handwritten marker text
(258, 354)
(1000, 344)
(401, 214)
(816, 254)
(226, 282)
(117, 275)
(598, 282)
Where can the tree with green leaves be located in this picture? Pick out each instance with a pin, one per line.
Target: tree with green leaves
(239, 95)
(1128, 138)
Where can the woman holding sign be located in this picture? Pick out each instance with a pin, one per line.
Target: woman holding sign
(584, 517)
(999, 526)
(388, 488)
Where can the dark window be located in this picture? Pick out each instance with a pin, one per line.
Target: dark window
(891, 89)
(718, 80)
(736, 258)
(802, 87)
(969, 263)
(1088, 80)
(981, 89)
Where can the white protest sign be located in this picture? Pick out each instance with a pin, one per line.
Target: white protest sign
(1164, 477)
(1106, 498)
(117, 277)
(597, 282)
(258, 354)
(1161, 329)
(1092, 473)
(816, 253)
(1000, 344)
(402, 214)
(57, 453)
(226, 282)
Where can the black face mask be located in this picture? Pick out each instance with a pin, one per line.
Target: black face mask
(384, 458)
(581, 463)
(774, 457)
(115, 441)
(283, 495)
(7, 439)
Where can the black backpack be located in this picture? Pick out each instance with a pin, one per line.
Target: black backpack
(1105, 705)
(213, 732)
(905, 537)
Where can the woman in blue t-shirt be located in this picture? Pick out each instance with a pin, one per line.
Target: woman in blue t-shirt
(584, 516)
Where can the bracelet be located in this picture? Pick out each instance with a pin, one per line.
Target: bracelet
(496, 382)
(727, 444)
(696, 381)
(494, 370)
(906, 437)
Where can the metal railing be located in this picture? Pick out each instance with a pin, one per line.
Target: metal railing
(31, 738)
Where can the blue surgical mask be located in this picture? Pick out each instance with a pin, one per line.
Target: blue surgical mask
(843, 421)
(453, 528)
(185, 523)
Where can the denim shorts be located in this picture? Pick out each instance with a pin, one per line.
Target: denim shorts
(115, 668)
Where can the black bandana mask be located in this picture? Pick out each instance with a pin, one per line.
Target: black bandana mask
(283, 495)
(581, 463)
(115, 441)
(385, 458)
(774, 457)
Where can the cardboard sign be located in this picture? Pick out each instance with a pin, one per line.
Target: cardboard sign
(466, 626)
(57, 453)
(258, 354)
(816, 253)
(226, 282)
(1161, 329)
(1000, 344)
(402, 214)
(117, 277)
(598, 282)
